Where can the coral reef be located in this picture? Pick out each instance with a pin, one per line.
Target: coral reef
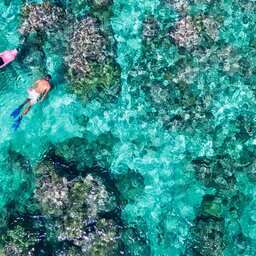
(18, 242)
(43, 32)
(86, 43)
(40, 17)
(135, 241)
(185, 33)
(223, 210)
(208, 25)
(101, 240)
(209, 229)
(80, 9)
(102, 80)
(189, 30)
(211, 232)
(182, 83)
(51, 190)
(91, 68)
(77, 208)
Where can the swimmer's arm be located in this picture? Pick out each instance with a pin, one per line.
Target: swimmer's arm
(45, 94)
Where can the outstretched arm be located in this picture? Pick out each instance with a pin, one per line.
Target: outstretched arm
(45, 94)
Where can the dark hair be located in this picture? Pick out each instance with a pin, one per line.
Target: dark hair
(48, 76)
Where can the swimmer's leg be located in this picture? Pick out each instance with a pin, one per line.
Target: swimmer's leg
(27, 109)
(25, 102)
(16, 124)
(16, 112)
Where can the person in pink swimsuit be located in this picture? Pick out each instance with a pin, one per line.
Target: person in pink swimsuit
(7, 57)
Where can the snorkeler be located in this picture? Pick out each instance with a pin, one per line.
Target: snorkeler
(7, 57)
(41, 90)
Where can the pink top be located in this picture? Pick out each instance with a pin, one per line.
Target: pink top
(8, 56)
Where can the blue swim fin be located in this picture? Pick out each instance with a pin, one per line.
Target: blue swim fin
(16, 111)
(16, 124)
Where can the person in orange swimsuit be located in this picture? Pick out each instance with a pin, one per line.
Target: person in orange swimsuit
(40, 90)
(7, 57)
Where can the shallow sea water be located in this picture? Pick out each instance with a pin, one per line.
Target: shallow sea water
(184, 122)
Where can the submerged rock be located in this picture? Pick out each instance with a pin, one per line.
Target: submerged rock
(82, 154)
(99, 3)
(211, 206)
(208, 237)
(150, 28)
(130, 185)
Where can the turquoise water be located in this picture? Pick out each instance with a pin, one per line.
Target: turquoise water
(158, 159)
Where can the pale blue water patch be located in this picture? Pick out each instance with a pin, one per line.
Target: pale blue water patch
(169, 200)
(9, 22)
(127, 27)
(50, 117)
(171, 193)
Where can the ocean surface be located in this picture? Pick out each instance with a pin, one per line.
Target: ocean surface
(146, 142)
